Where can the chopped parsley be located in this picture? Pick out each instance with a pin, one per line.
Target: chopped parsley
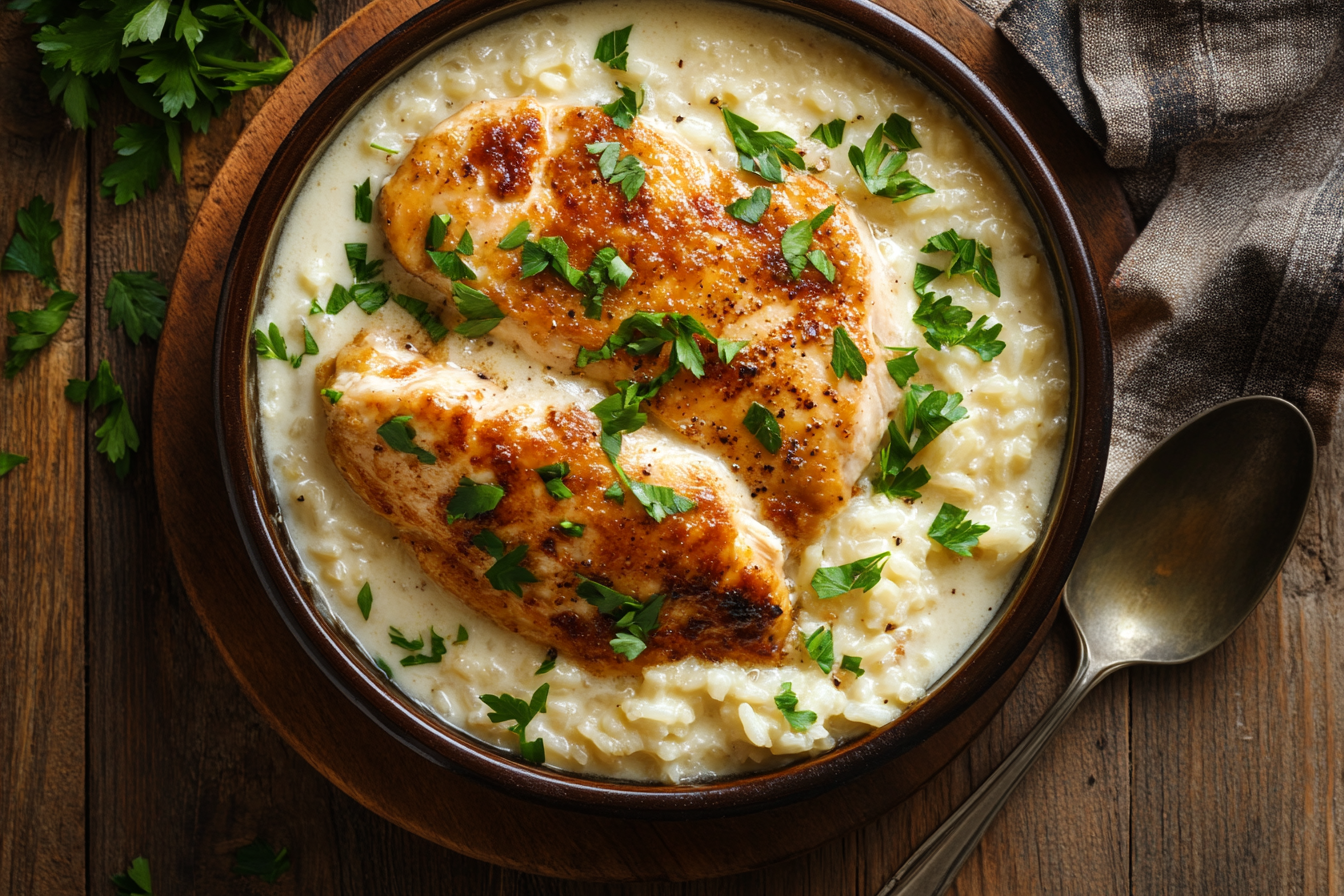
(547, 664)
(437, 231)
(426, 318)
(787, 704)
(515, 237)
(367, 293)
(30, 249)
(272, 346)
(357, 257)
(614, 492)
(930, 411)
(387, 149)
(34, 329)
(472, 499)
(573, 530)
(135, 882)
(797, 240)
(761, 423)
(952, 530)
(900, 131)
(481, 313)
(364, 201)
(894, 477)
(879, 167)
(399, 640)
(833, 581)
(832, 133)
(10, 461)
(607, 268)
(365, 600)
(553, 476)
(462, 635)
(846, 359)
(398, 434)
(635, 621)
(852, 664)
(625, 172)
(624, 108)
(332, 395)
(508, 708)
(612, 48)
(437, 649)
(821, 647)
(968, 257)
(449, 261)
(946, 324)
(904, 366)
(135, 301)
(507, 573)
(749, 209)
(764, 153)
(117, 436)
(258, 859)
(383, 667)
(646, 332)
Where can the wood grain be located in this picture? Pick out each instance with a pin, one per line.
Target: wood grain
(41, 511)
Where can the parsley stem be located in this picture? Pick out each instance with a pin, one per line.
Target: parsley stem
(257, 23)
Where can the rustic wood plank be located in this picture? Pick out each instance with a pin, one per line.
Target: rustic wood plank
(1237, 755)
(41, 506)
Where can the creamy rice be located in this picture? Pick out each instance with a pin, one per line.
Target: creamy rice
(691, 719)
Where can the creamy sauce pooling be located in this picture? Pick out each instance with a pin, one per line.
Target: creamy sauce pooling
(690, 720)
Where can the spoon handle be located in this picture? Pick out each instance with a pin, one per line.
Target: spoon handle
(933, 867)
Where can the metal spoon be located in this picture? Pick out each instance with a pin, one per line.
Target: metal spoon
(1178, 556)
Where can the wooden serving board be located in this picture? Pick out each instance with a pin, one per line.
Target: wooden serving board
(336, 737)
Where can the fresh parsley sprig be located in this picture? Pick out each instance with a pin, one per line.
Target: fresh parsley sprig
(968, 257)
(607, 268)
(635, 620)
(271, 345)
(895, 478)
(612, 48)
(623, 110)
(34, 329)
(862, 575)
(10, 461)
(880, 168)
(952, 530)
(508, 708)
(400, 436)
(796, 246)
(117, 436)
(820, 645)
(135, 301)
(472, 499)
(481, 313)
(30, 251)
(831, 133)
(946, 324)
(507, 572)
(929, 412)
(764, 153)
(787, 704)
(626, 172)
(135, 881)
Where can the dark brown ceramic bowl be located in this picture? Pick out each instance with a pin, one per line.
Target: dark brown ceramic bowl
(1008, 635)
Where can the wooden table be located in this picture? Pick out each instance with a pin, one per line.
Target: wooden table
(124, 734)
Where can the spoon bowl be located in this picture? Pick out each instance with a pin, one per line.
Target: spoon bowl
(1168, 586)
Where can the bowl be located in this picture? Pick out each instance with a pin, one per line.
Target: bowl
(1003, 641)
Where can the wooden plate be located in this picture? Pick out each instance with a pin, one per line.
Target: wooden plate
(350, 748)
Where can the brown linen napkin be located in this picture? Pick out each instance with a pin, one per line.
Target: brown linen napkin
(1225, 119)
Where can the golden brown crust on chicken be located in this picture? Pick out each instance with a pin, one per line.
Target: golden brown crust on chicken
(498, 162)
(718, 566)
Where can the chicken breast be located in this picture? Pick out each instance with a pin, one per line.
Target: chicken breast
(718, 567)
(499, 162)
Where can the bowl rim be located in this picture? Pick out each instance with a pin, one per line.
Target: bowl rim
(1029, 602)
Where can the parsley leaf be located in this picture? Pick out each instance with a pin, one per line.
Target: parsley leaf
(930, 411)
(332, 395)
(821, 647)
(787, 704)
(437, 650)
(472, 499)
(257, 859)
(30, 248)
(135, 300)
(506, 574)
(623, 110)
(481, 313)
(508, 708)
(35, 329)
(365, 600)
(553, 475)
(952, 530)
(547, 664)
(399, 640)
(894, 477)
(449, 261)
(398, 434)
(10, 461)
(573, 530)
(832, 133)
(968, 257)
(143, 150)
(899, 131)
(658, 501)
(611, 48)
(852, 664)
(437, 231)
(762, 152)
(614, 492)
(462, 635)
(945, 323)
(357, 257)
(904, 366)
(880, 170)
(364, 201)
(117, 436)
(368, 296)
(635, 620)
(797, 239)
(515, 237)
(846, 357)
(761, 423)
(833, 581)
(749, 209)
(135, 882)
(626, 173)
(426, 318)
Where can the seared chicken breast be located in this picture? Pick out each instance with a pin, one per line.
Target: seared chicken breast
(718, 568)
(499, 162)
